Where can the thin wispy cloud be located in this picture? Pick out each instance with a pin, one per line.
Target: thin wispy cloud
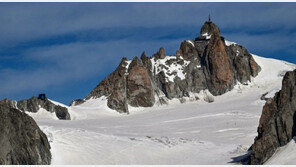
(65, 49)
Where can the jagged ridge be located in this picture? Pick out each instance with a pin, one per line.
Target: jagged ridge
(34, 104)
(208, 62)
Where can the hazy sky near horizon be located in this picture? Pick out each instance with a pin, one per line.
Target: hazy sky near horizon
(66, 49)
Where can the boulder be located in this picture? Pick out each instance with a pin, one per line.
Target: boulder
(62, 112)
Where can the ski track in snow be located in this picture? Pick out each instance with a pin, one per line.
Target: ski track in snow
(190, 133)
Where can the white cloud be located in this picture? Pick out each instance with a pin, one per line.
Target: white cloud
(60, 64)
(30, 21)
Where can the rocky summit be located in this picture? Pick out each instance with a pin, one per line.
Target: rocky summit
(277, 124)
(208, 62)
(34, 104)
(22, 142)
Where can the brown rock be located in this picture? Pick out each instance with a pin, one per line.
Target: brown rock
(277, 125)
(188, 51)
(139, 89)
(255, 68)
(206, 63)
(113, 87)
(107, 85)
(218, 65)
(160, 54)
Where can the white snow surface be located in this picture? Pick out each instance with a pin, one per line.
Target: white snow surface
(43, 114)
(126, 67)
(228, 43)
(192, 133)
(285, 155)
(191, 42)
(206, 35)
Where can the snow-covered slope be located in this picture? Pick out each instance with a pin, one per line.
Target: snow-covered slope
(192, 133)
(285, 155)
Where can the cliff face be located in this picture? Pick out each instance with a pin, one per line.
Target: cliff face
(277, 124)
(22, 142)
(219, 71)
(139, 88)
(207, 62)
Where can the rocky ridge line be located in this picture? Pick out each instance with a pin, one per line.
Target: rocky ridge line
(34, 104)
(206, 63)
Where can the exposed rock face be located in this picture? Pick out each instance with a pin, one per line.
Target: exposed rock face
(218, 68)
(207, 62)
(34, 104)
(277, 124)
(139, 87)
(243, 63)
(61, 112)
(22, 142)
(160, 54)
(114, 87)
(208, 29)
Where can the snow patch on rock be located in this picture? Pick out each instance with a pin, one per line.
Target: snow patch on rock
(191, 42)
(228, 43)
(171, 70)
(43, 114)
(206, 35)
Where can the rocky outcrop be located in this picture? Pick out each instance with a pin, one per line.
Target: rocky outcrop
(243, 63)
(139, 86)
(22, 142)
(114, 87)
(34, 104)
(160, 54)
(277, 125)
(218, 68)
(208, 62)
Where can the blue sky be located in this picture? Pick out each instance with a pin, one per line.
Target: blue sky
(66, 49)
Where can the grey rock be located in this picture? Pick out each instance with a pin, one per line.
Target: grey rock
(62, 112)
(243, 63)
(22, 142)
(34, 104)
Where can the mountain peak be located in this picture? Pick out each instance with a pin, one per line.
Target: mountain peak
(206, 63)
(208, 29)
